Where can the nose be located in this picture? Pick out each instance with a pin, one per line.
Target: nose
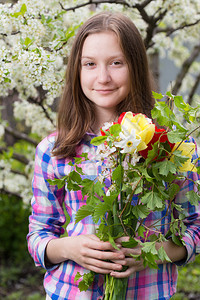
(103, 74)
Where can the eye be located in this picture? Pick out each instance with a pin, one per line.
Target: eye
(116, 63)
(89, 64)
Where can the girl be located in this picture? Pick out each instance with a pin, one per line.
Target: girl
(107, 74)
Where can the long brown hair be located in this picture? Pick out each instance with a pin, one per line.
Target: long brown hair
(76, 112)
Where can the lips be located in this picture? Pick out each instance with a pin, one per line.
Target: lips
(104, 92)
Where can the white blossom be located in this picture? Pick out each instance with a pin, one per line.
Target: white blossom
(128, 142)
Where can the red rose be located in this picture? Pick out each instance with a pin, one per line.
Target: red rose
(161, 135)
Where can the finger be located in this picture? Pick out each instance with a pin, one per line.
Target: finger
(124, 274)
(126, 262)
(103, 265)
(133, 251)
(99, 245)
(122, 239)
(102, 255)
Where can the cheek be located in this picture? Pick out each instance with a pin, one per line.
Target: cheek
(85, 79)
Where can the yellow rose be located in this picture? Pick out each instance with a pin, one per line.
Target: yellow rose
(187, 149)
(143, 127)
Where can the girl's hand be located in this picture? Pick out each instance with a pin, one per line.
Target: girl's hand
(132, 264)
(93, 254)
(174, 252)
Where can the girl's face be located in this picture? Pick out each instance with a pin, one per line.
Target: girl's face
(104, 75)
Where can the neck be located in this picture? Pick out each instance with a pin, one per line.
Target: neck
(103, 118)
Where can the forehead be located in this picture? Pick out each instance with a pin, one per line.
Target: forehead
(101, 41)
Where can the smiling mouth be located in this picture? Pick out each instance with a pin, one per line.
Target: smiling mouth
(108, 91)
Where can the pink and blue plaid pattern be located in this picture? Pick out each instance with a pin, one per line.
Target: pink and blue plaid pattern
(48, 218)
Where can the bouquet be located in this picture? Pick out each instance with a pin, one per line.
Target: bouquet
(144, 165)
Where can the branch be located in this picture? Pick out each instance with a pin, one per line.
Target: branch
(96, 3)
(9, 193)
(39, 101)
(141, 5)
(185, 67)
(12, 33)
(170, 30)
(20, 135)
(193, 90)
(18, 173)
(21, 158)
(152, 26)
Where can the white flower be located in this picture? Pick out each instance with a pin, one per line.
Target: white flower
(107, 125)
(129, 142)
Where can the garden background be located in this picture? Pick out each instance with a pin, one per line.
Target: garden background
(35, 40)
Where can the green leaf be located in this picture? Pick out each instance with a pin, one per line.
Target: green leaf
(100, 210)
(163, 255)
(23, 9)
(117, 175)
(77, 276)
(173, 190)
(59, 182)
(175, 136)
(83, 212)
(109, 199)
(87, 183)
(178, 207)
(88, 279)
(157, 96)
(75, 177)
(149, 247)
(130, 244)
(111, 240)
(115, 130)
(71, 185)
(169, 94)
(149, 260)
(152, 153)
(165, 167)
(84, 155)
(78, 160)
(193, 197)
(176, 240)
(140, 211)
(98, 188)
(79, 170)
(141, 231)
(152, 200)
(98, 140)
(21, 12)
(6, 79)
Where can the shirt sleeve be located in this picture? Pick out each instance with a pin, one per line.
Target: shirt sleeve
(192, 221)
(47, 218)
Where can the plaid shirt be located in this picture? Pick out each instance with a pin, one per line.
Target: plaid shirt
(48, 218)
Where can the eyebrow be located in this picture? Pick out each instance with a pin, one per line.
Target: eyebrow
(111, 57)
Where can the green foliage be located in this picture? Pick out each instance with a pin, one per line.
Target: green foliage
(13, 229)
(21, 281)
(21, 12)
(86, 281)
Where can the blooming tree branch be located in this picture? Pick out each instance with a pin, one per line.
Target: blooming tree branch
(20, 135)
(185, 67)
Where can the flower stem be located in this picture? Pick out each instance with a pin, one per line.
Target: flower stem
(130, 199)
